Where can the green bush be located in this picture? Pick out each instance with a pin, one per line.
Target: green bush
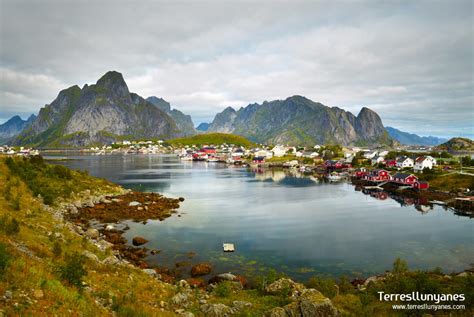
(223, 289)
(9, 225)
(57, 250)
(5, 258)
(325, 285)
(73, 270)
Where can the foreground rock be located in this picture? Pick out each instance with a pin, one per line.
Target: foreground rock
(201, 269)
(305, 302)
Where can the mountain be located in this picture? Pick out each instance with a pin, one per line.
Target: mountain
(203, 126)
(457, 144)
(298, 120)
(184, 122)
(13, 127)
(413, 139)
(100, 113)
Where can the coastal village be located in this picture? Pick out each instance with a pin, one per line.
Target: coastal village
(373, 169)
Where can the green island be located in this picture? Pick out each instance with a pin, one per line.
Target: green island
(49, 266)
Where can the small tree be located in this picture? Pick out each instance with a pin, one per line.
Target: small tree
(5, 258)
(400, 266)
(73, 270)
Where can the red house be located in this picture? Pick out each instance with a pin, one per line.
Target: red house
(377, 175)
(361, 172)
(259, 159)
(421, 185)
(208, 150)
(391, 163)
(405, 179)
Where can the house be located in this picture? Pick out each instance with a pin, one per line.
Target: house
(377, 175)
(421, 185)
(383, 153)
(279, 150)
(421, 163)
(377, 159)
(264, 153)
(391, 163)
(405, 179)
(432, 159)
(361, 172)
(209, 150)
(258, 159)
(370, 154)
(404, 161)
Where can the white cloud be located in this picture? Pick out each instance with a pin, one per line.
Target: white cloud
(404, 60)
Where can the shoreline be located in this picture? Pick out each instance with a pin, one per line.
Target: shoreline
(91, 220)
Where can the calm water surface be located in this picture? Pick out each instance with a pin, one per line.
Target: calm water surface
(292, 223)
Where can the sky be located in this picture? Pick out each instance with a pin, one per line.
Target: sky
(410, 61)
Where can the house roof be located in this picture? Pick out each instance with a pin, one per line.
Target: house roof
(402, 175)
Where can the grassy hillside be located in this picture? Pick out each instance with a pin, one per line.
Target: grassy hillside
(212, 138)
(458, 144)
(41, 263)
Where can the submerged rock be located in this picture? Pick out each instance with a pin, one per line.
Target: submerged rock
(139, 241)
(201, 269)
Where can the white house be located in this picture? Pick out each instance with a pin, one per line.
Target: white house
(377, 159)
(422, 163)
(264, 153)
(370, 154)
(432, 159)
(405, 161)
(383, 153)
(279, 150)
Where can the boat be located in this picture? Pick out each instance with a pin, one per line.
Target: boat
(334, 177)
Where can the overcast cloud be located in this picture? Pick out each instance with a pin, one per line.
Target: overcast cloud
(412, 62)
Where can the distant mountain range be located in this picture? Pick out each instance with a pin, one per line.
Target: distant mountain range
(203, 127)
(103, 113)
(107, 111)
(298, 120)
(413, 139)
(13, 127)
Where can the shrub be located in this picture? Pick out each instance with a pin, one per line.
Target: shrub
(73, 270)
(325, 285)
(9, 225)
(400, 266)
(5, 258)
(57, 250)
(223, 289)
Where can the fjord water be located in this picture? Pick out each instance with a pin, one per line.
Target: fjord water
(292, 223)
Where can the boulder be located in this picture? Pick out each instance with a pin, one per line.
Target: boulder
(90, 255)
(111, 260)
(239, 305)
(284, 285)
(223, 277)
(139, 241)
(182, 299)
(201, 269)
(152, 273)
(134, 204)
(277, 312)
(196, 282)
(216, 310)
(92, 233)
(314, 304)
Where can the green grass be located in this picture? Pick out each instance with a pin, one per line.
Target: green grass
(212, 138)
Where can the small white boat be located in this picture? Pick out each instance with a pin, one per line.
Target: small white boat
(334, 177)
(228, 247)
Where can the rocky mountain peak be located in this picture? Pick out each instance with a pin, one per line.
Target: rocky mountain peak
(113, 82)
(160, 103)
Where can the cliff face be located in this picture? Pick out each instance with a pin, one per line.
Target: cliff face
(184, 122)
(102, 112)
(298, 120)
